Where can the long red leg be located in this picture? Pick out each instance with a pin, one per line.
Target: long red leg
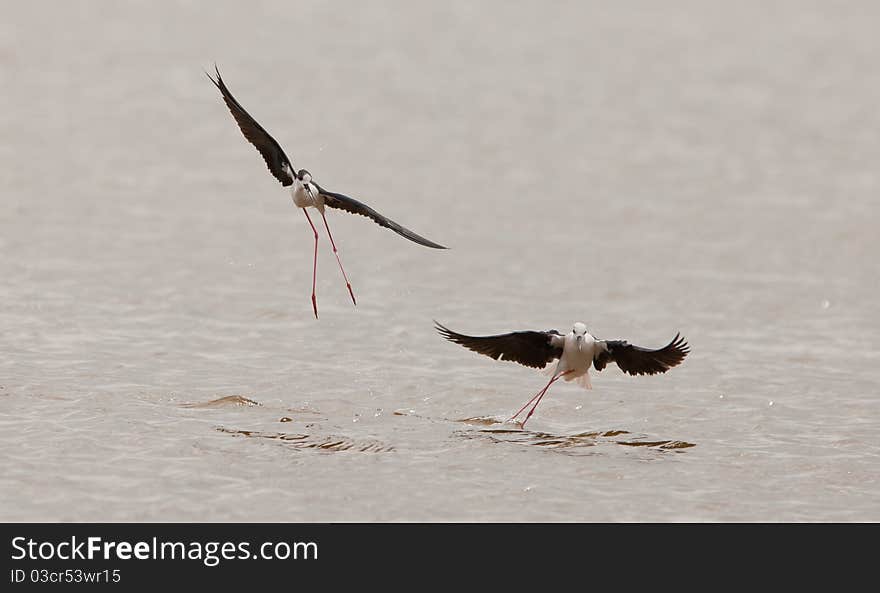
(532, 411)
(518, 412)
(339, 261)
(315, 264)
(538, 396)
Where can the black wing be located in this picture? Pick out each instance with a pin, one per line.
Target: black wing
(278, 163)
(529, 348)
(641, 361)
(342, 202)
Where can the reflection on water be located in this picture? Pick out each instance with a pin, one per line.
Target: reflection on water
(572, 443)
(505, 432)
(481, 421)
(308, 441)
(228, 401)
(568, 443)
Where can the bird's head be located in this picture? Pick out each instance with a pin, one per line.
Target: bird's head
(579, 331)
(304, 176)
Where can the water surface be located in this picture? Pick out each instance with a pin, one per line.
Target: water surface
(644, 169)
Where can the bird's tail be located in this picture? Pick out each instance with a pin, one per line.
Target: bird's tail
(583, 380)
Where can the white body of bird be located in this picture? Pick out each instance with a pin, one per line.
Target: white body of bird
(578, 350)
(305, 194)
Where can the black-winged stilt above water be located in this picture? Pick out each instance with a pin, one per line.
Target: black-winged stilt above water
(575, 352)
(306, 193)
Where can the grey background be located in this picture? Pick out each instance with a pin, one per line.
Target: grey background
(643, 167)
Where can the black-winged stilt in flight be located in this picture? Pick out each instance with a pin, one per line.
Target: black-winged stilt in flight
(576, 351)
(306, 193)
